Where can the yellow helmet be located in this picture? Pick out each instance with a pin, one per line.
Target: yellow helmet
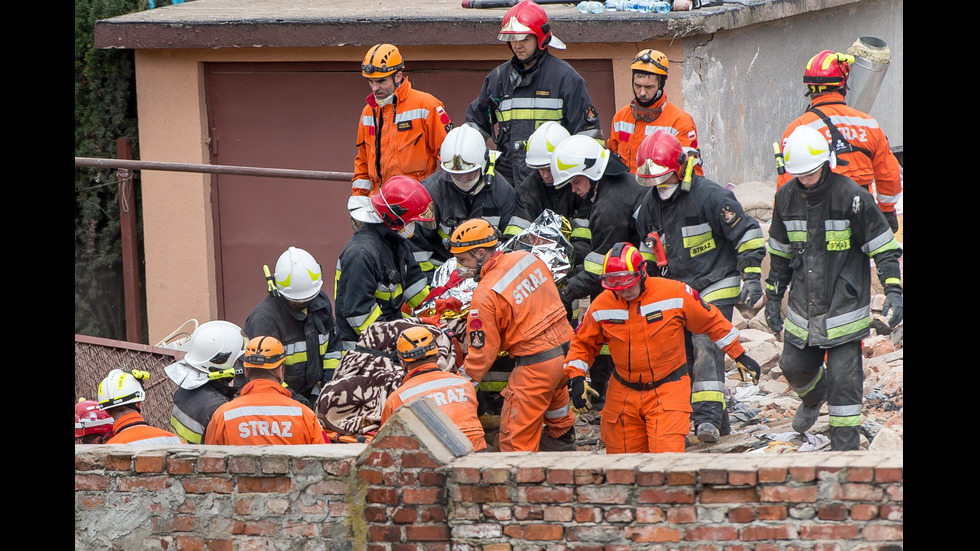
(650, 61)
(473, 233)
(382, 60)
(415, 343)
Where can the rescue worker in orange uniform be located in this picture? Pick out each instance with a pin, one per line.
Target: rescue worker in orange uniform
(121, 395)
(650, 111)
(516, 309)
(400, 130)
(856, 138)
(454, 394)
(264, 412)
(648, 402)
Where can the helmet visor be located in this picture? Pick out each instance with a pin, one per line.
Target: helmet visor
(650, 169)
(618, 281)
(512, 37)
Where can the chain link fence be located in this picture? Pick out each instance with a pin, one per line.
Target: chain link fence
(96, 357)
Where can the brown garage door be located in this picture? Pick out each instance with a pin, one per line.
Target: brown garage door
(304, 116)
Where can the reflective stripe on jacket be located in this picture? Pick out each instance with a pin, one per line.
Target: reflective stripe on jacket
(860, 130)
(646, 336)
(264, 414)
(408, 133)
(132, 428)
(628, 132)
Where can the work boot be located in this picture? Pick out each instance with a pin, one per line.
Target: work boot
(708, 433)
(806, 416)
(564, 443)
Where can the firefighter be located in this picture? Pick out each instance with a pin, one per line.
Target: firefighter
(209, 375)
(859, 144)
(516, 309)
(121, 395)
(825, 230)
(297, 311)
(400, 130)
(264, 412)
(453, 393)
(92, 425)
(539, 192)
(529, 89)
(707, 242)
(377, 273)
(650, 111)
(466, 187)
(643, 321)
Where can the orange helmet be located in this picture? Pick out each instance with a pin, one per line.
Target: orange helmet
(827, 70)
(622, 267)
(264, 353)
(415, 343)
(402, 199)
(527, 18)
(382, 60)
(471, 234)
(651, 61)
(660, 154)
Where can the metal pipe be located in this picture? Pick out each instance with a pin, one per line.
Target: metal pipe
(214, 169)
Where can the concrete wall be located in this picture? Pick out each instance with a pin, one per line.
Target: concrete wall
(412, 489)
(744, 86)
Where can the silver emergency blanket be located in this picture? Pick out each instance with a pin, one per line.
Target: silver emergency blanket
(545, 238)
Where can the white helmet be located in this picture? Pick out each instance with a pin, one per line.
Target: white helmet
(298, 276)
(120, 388)
(578, 155)
(463, 150)
(543, 142)
(805, 150)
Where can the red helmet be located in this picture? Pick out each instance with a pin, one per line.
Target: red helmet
(526, 18)
(92, 419)
(827, 70)
(402, 199)
(659, 155)
(622, 267)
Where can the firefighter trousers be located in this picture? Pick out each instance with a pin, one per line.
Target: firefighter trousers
(646, 421)
(535, 397)
(706, 363)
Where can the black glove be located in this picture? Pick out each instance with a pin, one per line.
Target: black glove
(751, 290)
(893, 303)
(299, 398)
(566, 301)
(892, 219)
(581, 394)
(774, 317)
(745, 364)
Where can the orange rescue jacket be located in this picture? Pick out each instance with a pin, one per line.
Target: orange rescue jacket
(646, 336)
(515, 308)
(872, 162)
(263, 414)
(132, 428)
(628, 131)
(408, 133)
(454, 395)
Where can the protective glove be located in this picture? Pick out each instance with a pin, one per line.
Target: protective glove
(745, 364)
(892, 219)
(751, 291)
(893, 304)
(566, 301)
(581, 394)
(774, 318)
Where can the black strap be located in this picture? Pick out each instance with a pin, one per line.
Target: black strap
(542, 356)
(131, 425)
(839, 143)
(389, 355)
(674, 375)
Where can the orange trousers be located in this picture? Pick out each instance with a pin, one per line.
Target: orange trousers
(648, 421)
(535, 396)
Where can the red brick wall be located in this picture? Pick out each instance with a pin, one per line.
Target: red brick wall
(403, 492)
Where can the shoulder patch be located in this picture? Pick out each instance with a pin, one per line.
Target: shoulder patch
(590, 115)
(728, 216)
(443, 116)
(476, 339)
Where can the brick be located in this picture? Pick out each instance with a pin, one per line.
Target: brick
(261, 528)
(682, 478)
(241, 465)
(741, 515)
(742, 478)
(714, 476)
(757, 533)
(181, 465)
(584, 477)
(429, 478)
(645, 478)
(119, 461)
(533, 512)
(91, 482)
(277, 507)
(891, 512)
(617, 514)
(184, 524)
(395, 442)
(149, 483)
(864, 512)
(338, 468)
(710, 533)
(772, 474)
(381, 460)
(665, 496)
(584, 515)
(560, 476)
(498, 513)
(681, 515)
(859, 474)
(836, 531)
(153, 462)
(189, 543)
(385, 533)
(207, 484)
(547, 494)
(424, 496)
(652, 533)
(771, 512)
(329, 488)
(729, 495)
(603, 494)
(432, 514)
(244, 505)
(419, 461)
(529, 475)
(620, 476)
(301, 529)
(427, 532)
(857, 492)
(803, 474)
(388, 496)
(650, 515)
(399, 479)
(471, 475)
(92, 502)
(788, 494)
(265, 485)
(895, 493)
(535, 532)
(832, 511)
(496, 476)
(889, 475)
(375, 514)
(370, 476)
(877, 532)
